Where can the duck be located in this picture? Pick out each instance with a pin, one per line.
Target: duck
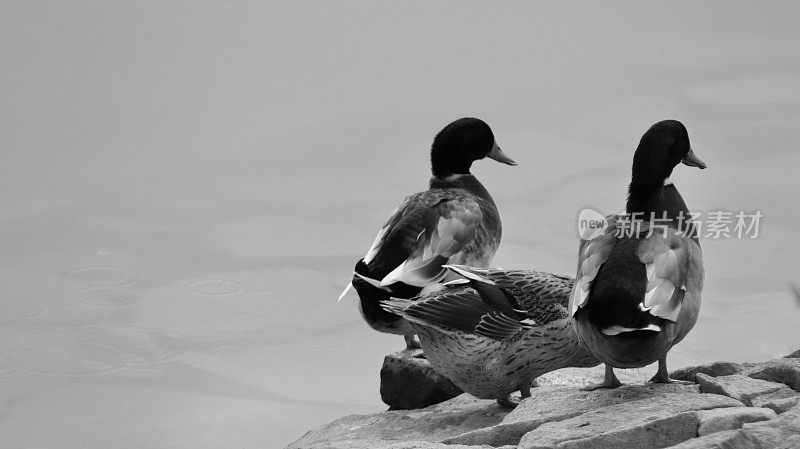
(639, 281)
(493, 331)
(454, 221)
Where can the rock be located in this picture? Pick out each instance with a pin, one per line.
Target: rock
(548, 404)
(656, 421)
(779, 405)
(784, 370)
(426, 445)
(712, 369)
(794, 355)
(741, 388)
(408, 381)
(782, 432)
(720, 419)
(559, 415)
(780, 400)
(381, 430)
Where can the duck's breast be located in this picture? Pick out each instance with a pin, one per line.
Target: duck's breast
(472, 362)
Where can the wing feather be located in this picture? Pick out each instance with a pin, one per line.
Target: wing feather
(449, 226)
(592, 254)
(480, 308)
(666, 259)
(377, 244)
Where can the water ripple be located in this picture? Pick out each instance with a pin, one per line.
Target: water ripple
(216, 286)
(102, 275)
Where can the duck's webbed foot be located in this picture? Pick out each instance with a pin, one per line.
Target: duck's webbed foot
(511, 401)
(412, 342)
(508, 402)
(609, 381)
(662, 375)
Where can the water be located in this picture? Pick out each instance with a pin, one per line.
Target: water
(186, 187)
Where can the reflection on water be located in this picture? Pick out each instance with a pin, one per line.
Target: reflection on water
(185, 190)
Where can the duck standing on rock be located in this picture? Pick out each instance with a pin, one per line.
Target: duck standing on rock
(493, 332)
(454, 221)
(638, 285)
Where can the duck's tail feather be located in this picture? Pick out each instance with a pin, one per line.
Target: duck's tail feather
(410, 310)
(417, 272)
(458, 310)
(472, 273)
(373, 282)
(616, 330)
(489, 291)
(396, 305)
(346, 289)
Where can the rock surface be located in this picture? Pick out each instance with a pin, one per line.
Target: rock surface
(721, 419)
(712, 369)
(379, 430)
(784, 370)
(735, 405)
(782, 432)
(408, 381)
(741, 388)
(794, 355)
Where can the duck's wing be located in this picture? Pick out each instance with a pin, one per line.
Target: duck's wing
(674, 266)
(398, 232)
(543, 296)
(401, 212)
(592, 254)
(690, 308)
(422, 235)
(479, 307)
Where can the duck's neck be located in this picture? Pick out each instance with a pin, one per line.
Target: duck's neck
(657, 202)
(466, 182)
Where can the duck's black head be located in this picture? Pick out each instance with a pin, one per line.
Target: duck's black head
(461, 143)
(663, 146)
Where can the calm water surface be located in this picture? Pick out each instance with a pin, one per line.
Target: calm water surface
(186, 186)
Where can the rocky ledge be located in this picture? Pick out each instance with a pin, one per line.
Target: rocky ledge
(722, 405)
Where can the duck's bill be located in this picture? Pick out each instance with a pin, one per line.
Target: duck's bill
(498, 155)
(692, 160)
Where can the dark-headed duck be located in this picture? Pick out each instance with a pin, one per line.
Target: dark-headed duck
(455, 221)
(638, 285)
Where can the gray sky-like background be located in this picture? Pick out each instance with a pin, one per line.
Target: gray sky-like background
(185, 187)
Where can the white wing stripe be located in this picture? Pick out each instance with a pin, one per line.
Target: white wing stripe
(376, 245)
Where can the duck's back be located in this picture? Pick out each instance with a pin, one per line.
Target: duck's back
(618, 288)
(455, 221)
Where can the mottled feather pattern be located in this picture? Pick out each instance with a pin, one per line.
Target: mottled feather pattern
(542, 296)
(489, 352)
(461, 308)
(491, 369)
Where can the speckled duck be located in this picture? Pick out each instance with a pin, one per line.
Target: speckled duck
(493, 332)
